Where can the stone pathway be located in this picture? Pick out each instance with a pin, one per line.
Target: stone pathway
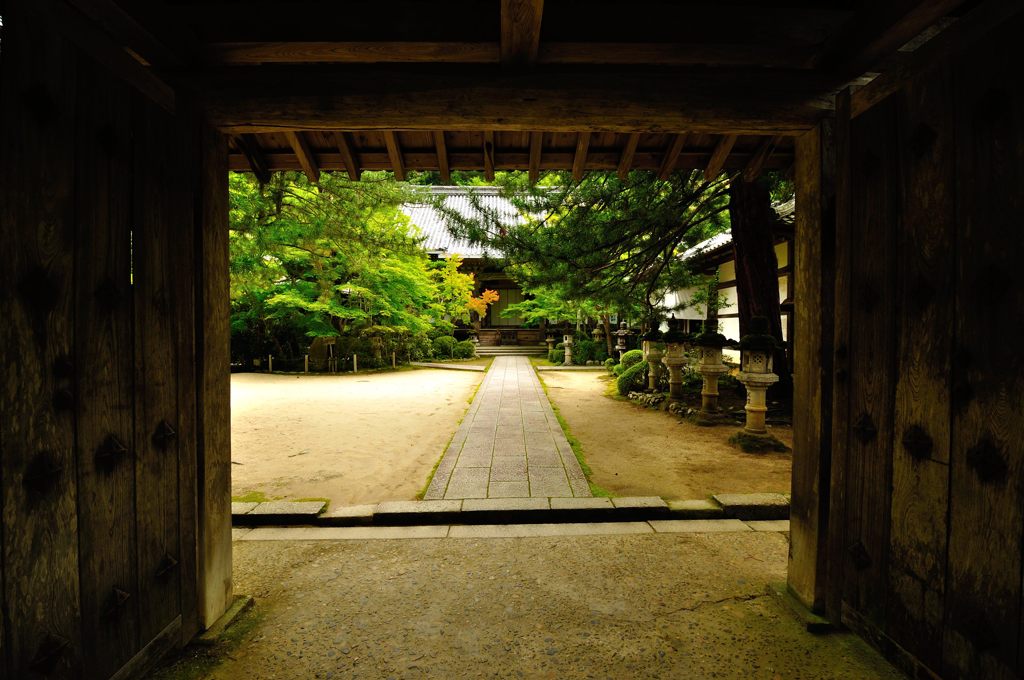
(510, 444)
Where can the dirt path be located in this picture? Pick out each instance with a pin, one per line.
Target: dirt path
(352, 439)
(634, 451)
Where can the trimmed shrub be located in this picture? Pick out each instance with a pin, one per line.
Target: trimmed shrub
(584, 351)
(444, 347)
(631, 358)
(617, 369)
(609, 363)
(556, 356)
(420, 347)
(632, 379)
(465, 350)
(560, 345)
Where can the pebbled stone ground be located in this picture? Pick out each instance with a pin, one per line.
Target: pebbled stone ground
(619, 606)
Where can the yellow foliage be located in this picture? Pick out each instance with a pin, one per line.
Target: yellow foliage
(480, 304)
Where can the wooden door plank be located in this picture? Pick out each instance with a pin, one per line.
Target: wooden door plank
(105, 385)
(157, 430)
(983, 626)
(37, 370)
(920, 476)
(872, 360)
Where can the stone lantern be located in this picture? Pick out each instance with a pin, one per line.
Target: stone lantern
(711, 368)
(653, 356)
(675, 359)
(622, 334)
(567, 342)
(598, 333)
(756, 351)
(550, 339)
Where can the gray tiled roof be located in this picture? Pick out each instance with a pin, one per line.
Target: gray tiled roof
(437, 238)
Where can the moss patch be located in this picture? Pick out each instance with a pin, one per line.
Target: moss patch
(757, 443)
(577, 448)
(255, 497)
(199, 661)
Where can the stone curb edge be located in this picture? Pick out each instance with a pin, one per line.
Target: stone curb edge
(744, 507)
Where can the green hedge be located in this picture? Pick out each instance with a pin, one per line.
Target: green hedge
(556, 356)
(632, 379)
(465, 349)
(444, 347)
(631, 358)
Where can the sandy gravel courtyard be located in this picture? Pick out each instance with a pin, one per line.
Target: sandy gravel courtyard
(352, 438)
(634, 451)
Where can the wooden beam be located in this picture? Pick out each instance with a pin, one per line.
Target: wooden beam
(536, 139)
(628, 152)
(579, 161)
(755, 166)
(463, 159)
(972, 27)
(395, 155)
(397, 52)
(378, 52)
(347, 157)
(128, 32)
(668, 161)
(250, 148)
(717, 101)
(879, 30)
(719, 156)
(442, 157)
(520, 31)
(84, 33)
(305, 155)
(489, 156)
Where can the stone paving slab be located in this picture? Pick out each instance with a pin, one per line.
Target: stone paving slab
(282, 512)
(696, 509)
(754, 505)
(690, 526)
(344, 533)
(242, 508)
(525, 530)
(510, 420)
(450, 367)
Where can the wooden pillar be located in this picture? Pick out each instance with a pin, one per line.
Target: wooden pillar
(812, 347)
(213, 379)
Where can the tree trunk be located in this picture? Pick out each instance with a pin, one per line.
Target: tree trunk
(757, 278)
(607, 333)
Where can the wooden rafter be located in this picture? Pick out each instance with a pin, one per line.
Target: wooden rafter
(441, 149)
(719, 156)
(756, 163)
(520, 31)
(579, 160)
(878, 31)
(536, 139)
(306, 158)
(628, 152)
(668, 163)
(250, 148)
(347, 157)
(394, 154)
(488, 156)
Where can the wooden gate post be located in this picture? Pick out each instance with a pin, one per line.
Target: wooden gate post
(812, 357)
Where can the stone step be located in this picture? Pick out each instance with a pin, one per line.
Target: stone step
(736, 507)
